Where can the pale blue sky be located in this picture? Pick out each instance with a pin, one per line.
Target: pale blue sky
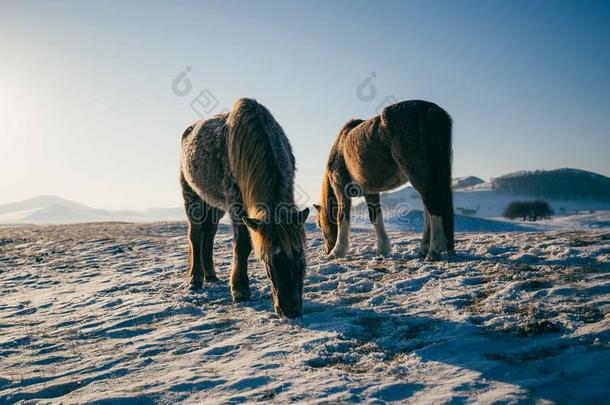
(87, 110)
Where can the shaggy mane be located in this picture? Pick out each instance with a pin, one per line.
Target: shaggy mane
(263, 165)
(328, 193)
(288, 236)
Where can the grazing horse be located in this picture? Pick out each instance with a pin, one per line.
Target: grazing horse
(408, 141)
(242, 163)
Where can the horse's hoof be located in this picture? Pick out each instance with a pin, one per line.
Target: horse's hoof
(383, 247)
(433, 257)
(423, 251)
(383, 252)
(336, 254)
(195, 286)
(211, 279)
(241, 295)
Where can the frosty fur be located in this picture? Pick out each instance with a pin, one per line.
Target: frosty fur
(242, 163)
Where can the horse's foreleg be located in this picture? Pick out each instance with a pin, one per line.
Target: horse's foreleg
(343, 218)
(242, 246)
(376, 216)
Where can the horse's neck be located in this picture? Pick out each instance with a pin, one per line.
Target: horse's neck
(337, 171)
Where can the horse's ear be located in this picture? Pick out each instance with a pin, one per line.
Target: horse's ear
(254, 224)
(317, 207)
(301, 216)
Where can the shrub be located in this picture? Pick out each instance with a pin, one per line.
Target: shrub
(528, 210)
(560, 184)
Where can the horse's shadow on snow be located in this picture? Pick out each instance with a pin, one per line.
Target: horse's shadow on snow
(527, 361)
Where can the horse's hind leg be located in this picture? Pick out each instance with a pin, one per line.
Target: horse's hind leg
(425, 242)
(210, 227)
(436, 196)
(203, 223)
(438, 240)
(434, 241)
(242, 246)
(433, 211)
(376, 216)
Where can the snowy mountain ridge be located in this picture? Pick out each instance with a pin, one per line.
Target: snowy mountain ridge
(55, 210)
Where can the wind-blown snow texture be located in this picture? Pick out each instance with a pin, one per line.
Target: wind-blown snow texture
(99, 311)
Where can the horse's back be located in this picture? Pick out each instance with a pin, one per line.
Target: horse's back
(375, 150)
(407, 116)
(203, 159)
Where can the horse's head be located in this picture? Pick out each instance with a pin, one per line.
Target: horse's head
(327, 223)
(327, 215)
(328, 209)
(280, 246)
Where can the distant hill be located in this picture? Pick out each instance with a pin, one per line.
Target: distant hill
(41, 201)
(484, 200)
(54, 210)
(560, 184)
(465, 182)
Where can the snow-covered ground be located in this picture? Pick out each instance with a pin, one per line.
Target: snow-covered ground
(99, 312)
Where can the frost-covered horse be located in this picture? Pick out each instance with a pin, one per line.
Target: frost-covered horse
(408, 141)
(242, 163)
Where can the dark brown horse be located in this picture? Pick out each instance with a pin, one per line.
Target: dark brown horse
(242, 163)
(408, 141)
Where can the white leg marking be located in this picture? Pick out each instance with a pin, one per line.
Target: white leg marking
(383, 242)
(342, 246)
(438, 241)
(425, 241)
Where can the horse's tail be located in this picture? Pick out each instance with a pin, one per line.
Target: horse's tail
(440, 148)
(250, 158)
